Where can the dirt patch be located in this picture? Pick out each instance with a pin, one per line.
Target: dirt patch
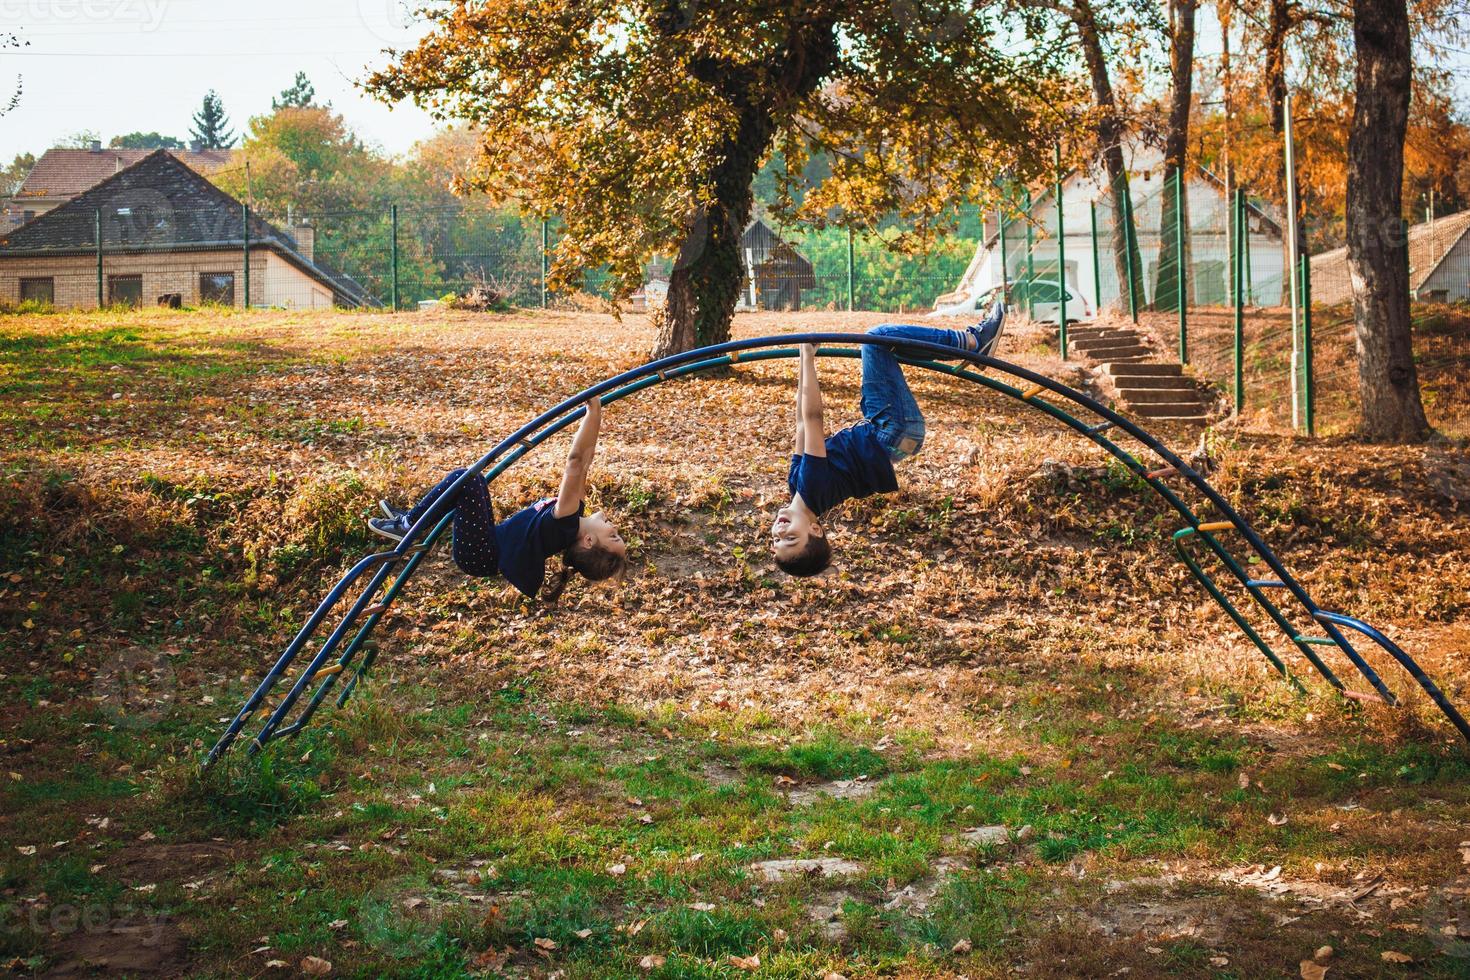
(838, 789)
(805, 867)
(1154, 912)
(825, 909)
(151, 863)
(915, 899)
(126, 947)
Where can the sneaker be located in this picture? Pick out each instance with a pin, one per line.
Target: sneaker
(395, 528)
(987, 332)
(389, 510)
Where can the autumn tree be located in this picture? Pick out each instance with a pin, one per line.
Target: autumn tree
(12, 176)
(306, 160)
(640, 124)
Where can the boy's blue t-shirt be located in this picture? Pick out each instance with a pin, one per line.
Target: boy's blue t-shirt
(528, 537)
(856, 465)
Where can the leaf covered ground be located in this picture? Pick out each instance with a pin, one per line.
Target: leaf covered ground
(1009, 733)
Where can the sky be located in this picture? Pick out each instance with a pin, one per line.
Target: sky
(119, 66)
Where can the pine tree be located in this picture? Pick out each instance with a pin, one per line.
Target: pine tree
(300, 95)
(211, 124)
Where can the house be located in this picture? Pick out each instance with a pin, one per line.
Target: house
(1439, 264)
(1209, 218)
(775, 273)
(63, 172)
(166, 235)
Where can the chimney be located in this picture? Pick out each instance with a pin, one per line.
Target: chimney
(305, 236)
(96, 146)
(196, 146)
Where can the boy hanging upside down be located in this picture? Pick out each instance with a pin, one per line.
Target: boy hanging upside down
(858, 461)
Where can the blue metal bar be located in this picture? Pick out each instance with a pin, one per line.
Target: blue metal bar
(432, 524)
(1264, 583)
(1331, 619)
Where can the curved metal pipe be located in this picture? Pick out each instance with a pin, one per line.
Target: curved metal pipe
(432, 524)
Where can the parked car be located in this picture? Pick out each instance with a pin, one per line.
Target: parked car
(1047, 302)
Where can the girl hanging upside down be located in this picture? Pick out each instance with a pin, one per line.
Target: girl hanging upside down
(518, 546)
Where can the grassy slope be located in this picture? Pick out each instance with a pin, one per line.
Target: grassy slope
(1008, 642)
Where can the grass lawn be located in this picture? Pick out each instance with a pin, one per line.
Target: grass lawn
(1008, 734)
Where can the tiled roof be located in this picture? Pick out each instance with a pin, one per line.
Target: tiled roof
(160, 205)
(68, 172)
(1429, 243)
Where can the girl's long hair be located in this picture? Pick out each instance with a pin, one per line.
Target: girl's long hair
(594, 564)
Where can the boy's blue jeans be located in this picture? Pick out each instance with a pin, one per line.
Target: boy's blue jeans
(887, 401)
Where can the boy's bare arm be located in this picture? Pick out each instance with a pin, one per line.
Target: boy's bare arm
(800, 446)
(812, 426)
(579, 461)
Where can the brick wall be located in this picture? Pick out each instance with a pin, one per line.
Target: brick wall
(273, 281)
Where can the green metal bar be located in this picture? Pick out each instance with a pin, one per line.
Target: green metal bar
(393, 214)
(1005, 271)
(1061, 259)
(850, 292)
(1030, 263)
(1181, 268)
(245, 237)
(1245, 244)
(1239, 264)
(544, 244)
(1309, 394)
(1129, 243)
(1096, 262)
(97, 231)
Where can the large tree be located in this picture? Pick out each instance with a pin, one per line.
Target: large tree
(640, 124)
(1172, 265)
(146, 141)
(1378, 254)
(299, 95)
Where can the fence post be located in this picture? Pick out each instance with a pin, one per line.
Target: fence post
(1309, 400)
(1096, 262)
(850, 303)
(97, 231)
(1181, 267)
(1030, 263)
(393, 214)
(1128, 243)
(1237, 275)
(1061, 259)
(544, 241)
(1005, 277)
(245, 238)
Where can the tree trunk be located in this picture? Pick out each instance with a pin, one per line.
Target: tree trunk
(708, 273)
(1172, 265)
(1278, 28)
(1378, 256)
(1110, 149)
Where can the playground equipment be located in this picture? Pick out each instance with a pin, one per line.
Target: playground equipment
(373, 600)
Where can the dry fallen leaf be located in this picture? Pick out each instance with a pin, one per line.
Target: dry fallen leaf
(1219, 961)
(1393, 956)
(315, 966)
(1323, 953)
(1312, 970)
(545, 943)
(751, 962)
(276, 964)
(961, 947)
(1244, 780)
(583, 933)
(1276, 820)
(833, 975)
(702, 906)
(617, 870)
(652, 961)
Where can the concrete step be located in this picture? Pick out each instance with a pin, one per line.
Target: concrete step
(1170, 410)
(1082, 333)
(1139, 370)
(1159, 396)
(1118, 353)
(1092, 343)
(1134, 381)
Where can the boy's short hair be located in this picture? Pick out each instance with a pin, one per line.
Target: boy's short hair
(811, 560)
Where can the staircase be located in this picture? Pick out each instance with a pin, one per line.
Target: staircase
(1145, 388)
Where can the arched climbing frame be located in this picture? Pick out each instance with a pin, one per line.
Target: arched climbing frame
(323, 669)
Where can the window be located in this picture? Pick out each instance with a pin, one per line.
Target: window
(217, 287)
(125, 290)
(38, 290)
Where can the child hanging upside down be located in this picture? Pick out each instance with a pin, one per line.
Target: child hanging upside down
(518, 546)
(858, 461)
